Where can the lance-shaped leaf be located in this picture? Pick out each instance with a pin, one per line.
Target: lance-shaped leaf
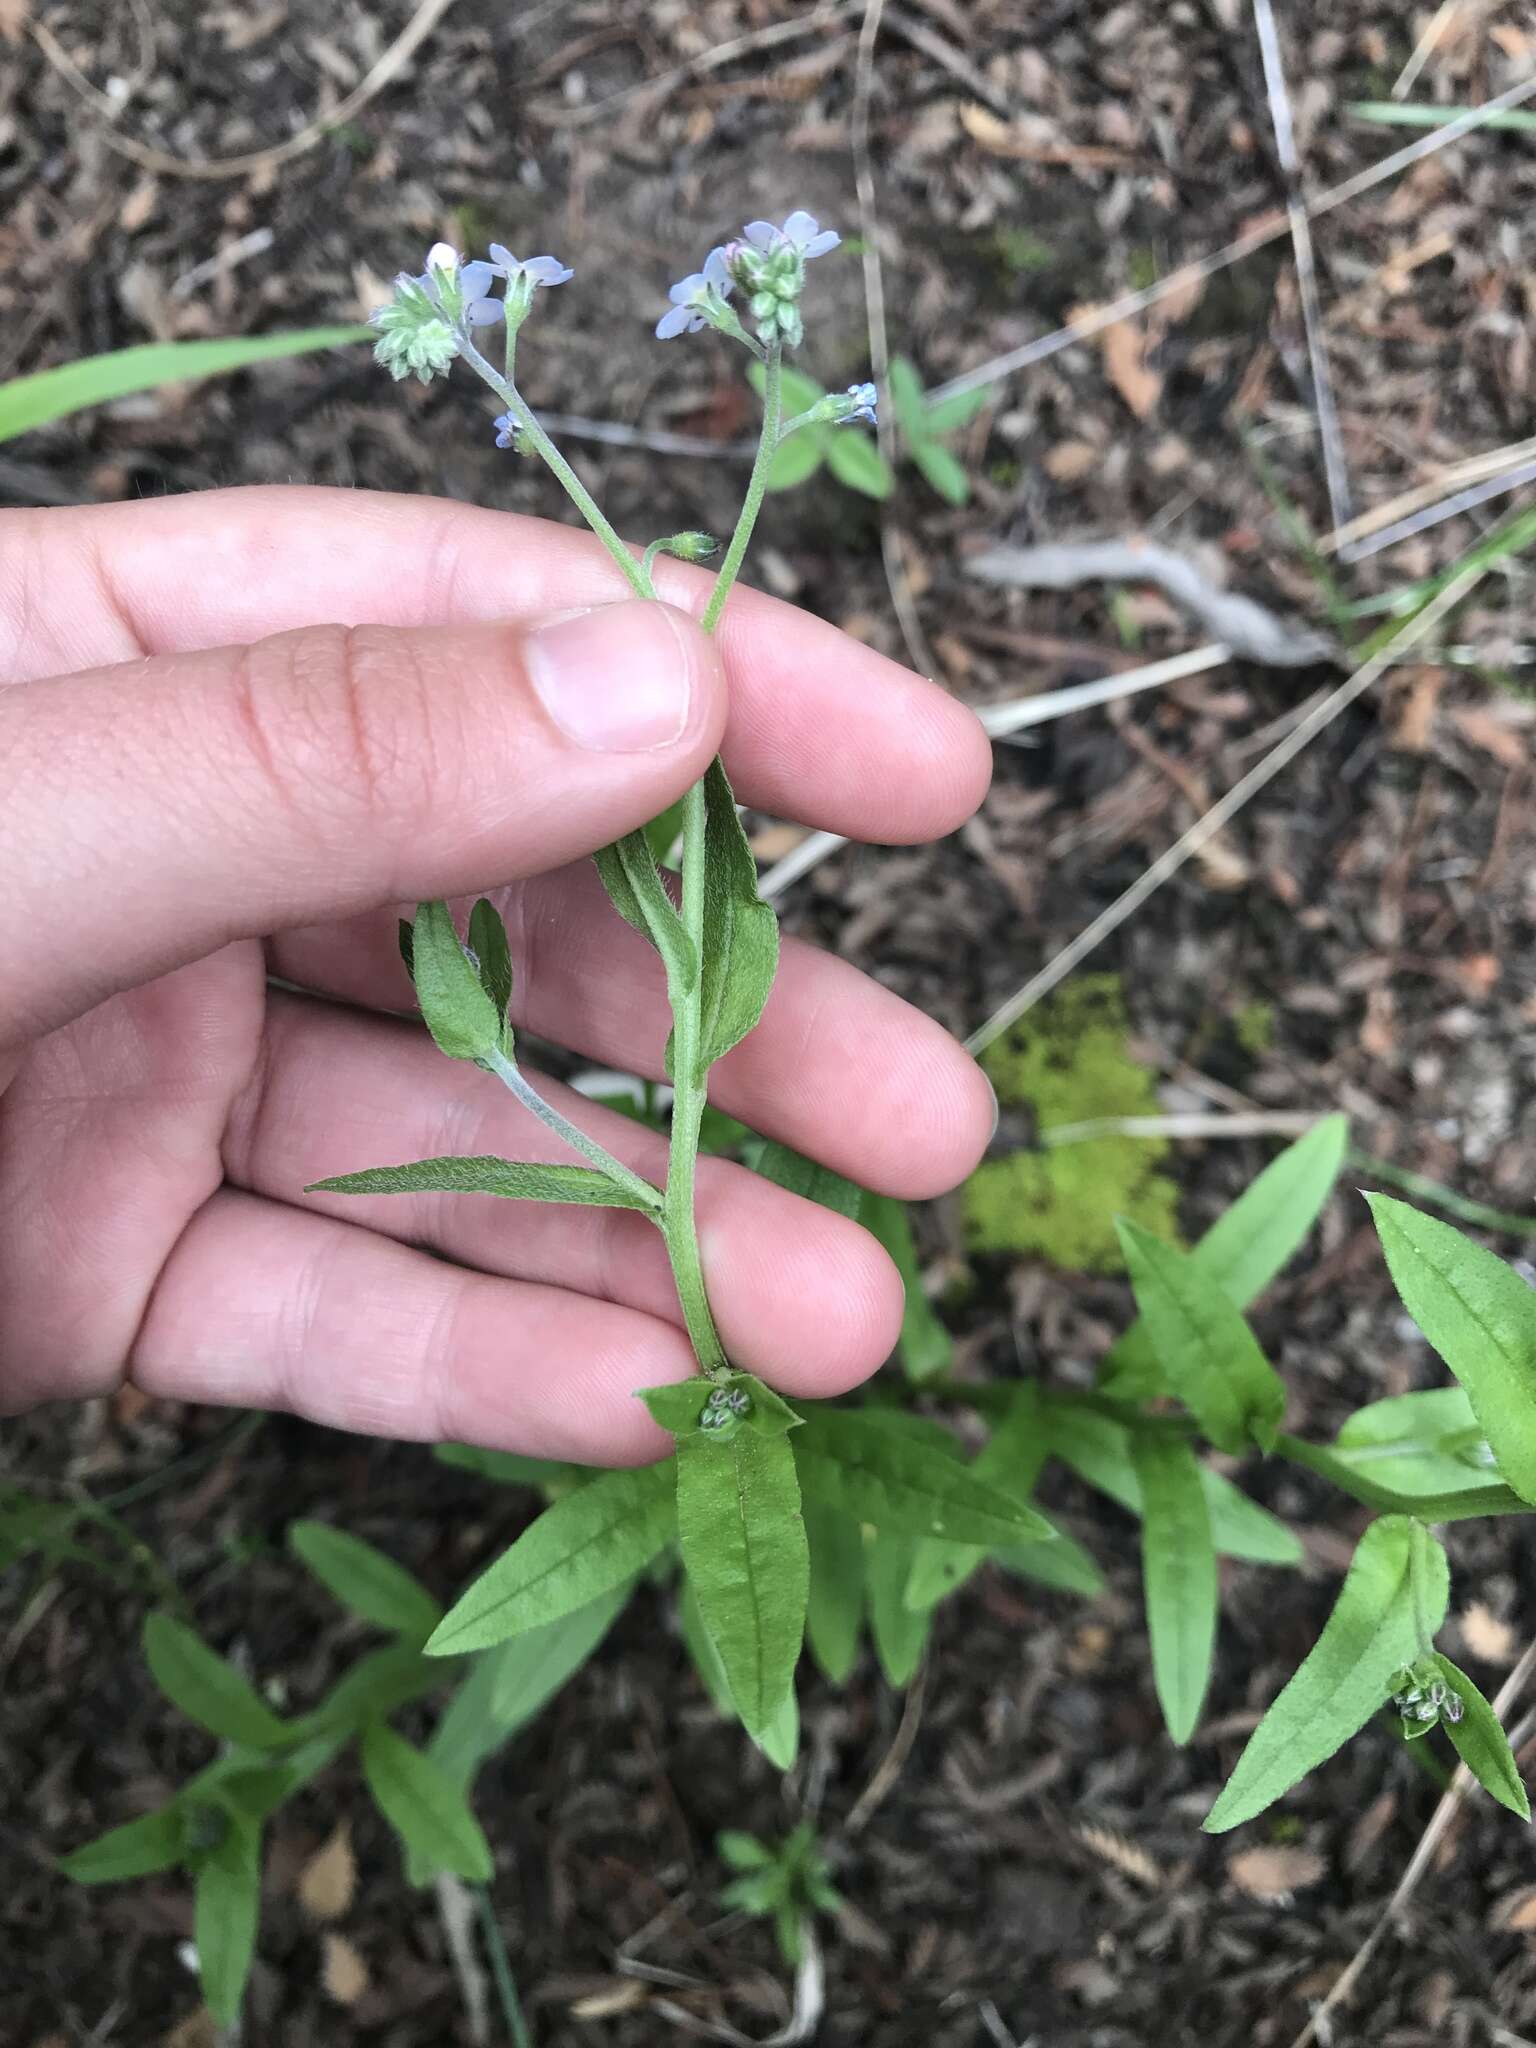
(516, 1180)
(423, 1805)
(226, 1907)
(586, 1544)
(493, 962)
(1393, 1599)
(454, 1005)
(511, 1468)
(628, 872)
(154, 1842)
(1178, 1574)
(1010, 1460)
(1208, 1355)
(924, 1346)
(1481, 1743)
(1247, 1244)
(365, 1580)
(1062, 1564)
(1097, 1448)
(741, 933)
(206, 1689)
(744, 1549)
(894, 1480)
(834, 1615)
(802, 1176)
(1421, 1454)
(1481, 1318)
(374, 1685)
(899, 1630)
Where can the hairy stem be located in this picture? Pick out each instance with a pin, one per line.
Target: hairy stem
(570, 482)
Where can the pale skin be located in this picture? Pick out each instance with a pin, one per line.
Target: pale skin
(240, 733)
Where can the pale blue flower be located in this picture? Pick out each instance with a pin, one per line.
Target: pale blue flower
(506, 429)
(523, 277)
(865, 398)
(802, 231)
(692, 297)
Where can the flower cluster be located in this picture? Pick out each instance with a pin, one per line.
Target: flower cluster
(1423, 1698)
(767, 265)
(431, 317)
(723, 1412)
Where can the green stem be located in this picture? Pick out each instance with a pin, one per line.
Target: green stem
(572, 484)
(690, 1078)
(757, 485)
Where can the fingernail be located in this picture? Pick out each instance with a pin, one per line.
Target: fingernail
(617, 678)
(997, 1109)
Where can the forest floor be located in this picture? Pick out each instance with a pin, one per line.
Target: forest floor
(1362, 937)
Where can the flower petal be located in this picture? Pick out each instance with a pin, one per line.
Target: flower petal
(762, 234)
(484, 312)
(502, 256)
(476, 279)
(687, 289)
(546, 270)
(679, 320)
(800, 228)
(442, 257)
(820, 245)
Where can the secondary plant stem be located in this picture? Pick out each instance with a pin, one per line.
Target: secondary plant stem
(562, 1127)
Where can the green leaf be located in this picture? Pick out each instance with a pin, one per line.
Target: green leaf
(1393, 1599)
(423, 1805)
(679, 1406)
(855, 461)
(488, 943)
(798, 458)
(510, 1468)
(1209, 1357)
(629, 873)
(664, 830)
(456, 1009)
(1481, 1743)
(834, 1615)
(48, 395)
(743, 1851)
(1061, 1564)
(516, 1180)
(156, 1841)
(1179, 1577)
(803, 1176)
(780, 1739)
(949, 415)
(226, 1907)
(365, 1580)
(924, 1345)
(907, 399)
(586, 1544)
(1097, 1448)
(892, 1480)
(1481, 1318)
(741, 933)
(206, 1689)
(706, 1658)
(1364, 1477)
(943, 471)
(1010, 1460)
(1247, 1244)
(900, 1632)
(744, 1549)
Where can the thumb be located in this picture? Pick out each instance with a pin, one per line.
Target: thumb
(154, 811)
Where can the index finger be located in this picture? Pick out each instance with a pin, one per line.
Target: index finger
(822, 729)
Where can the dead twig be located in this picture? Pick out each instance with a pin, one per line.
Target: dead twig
(393, 61)
(1461, 1784)
(1312, 720)
(1335, 467)
(894, 1760)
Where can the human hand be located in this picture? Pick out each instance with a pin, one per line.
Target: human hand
(206, 780)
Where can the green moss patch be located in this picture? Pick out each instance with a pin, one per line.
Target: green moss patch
(1067, 1063)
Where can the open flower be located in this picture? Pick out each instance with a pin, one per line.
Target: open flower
(522, 277)
(696, 299)
(803, 232)
(863, 398)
